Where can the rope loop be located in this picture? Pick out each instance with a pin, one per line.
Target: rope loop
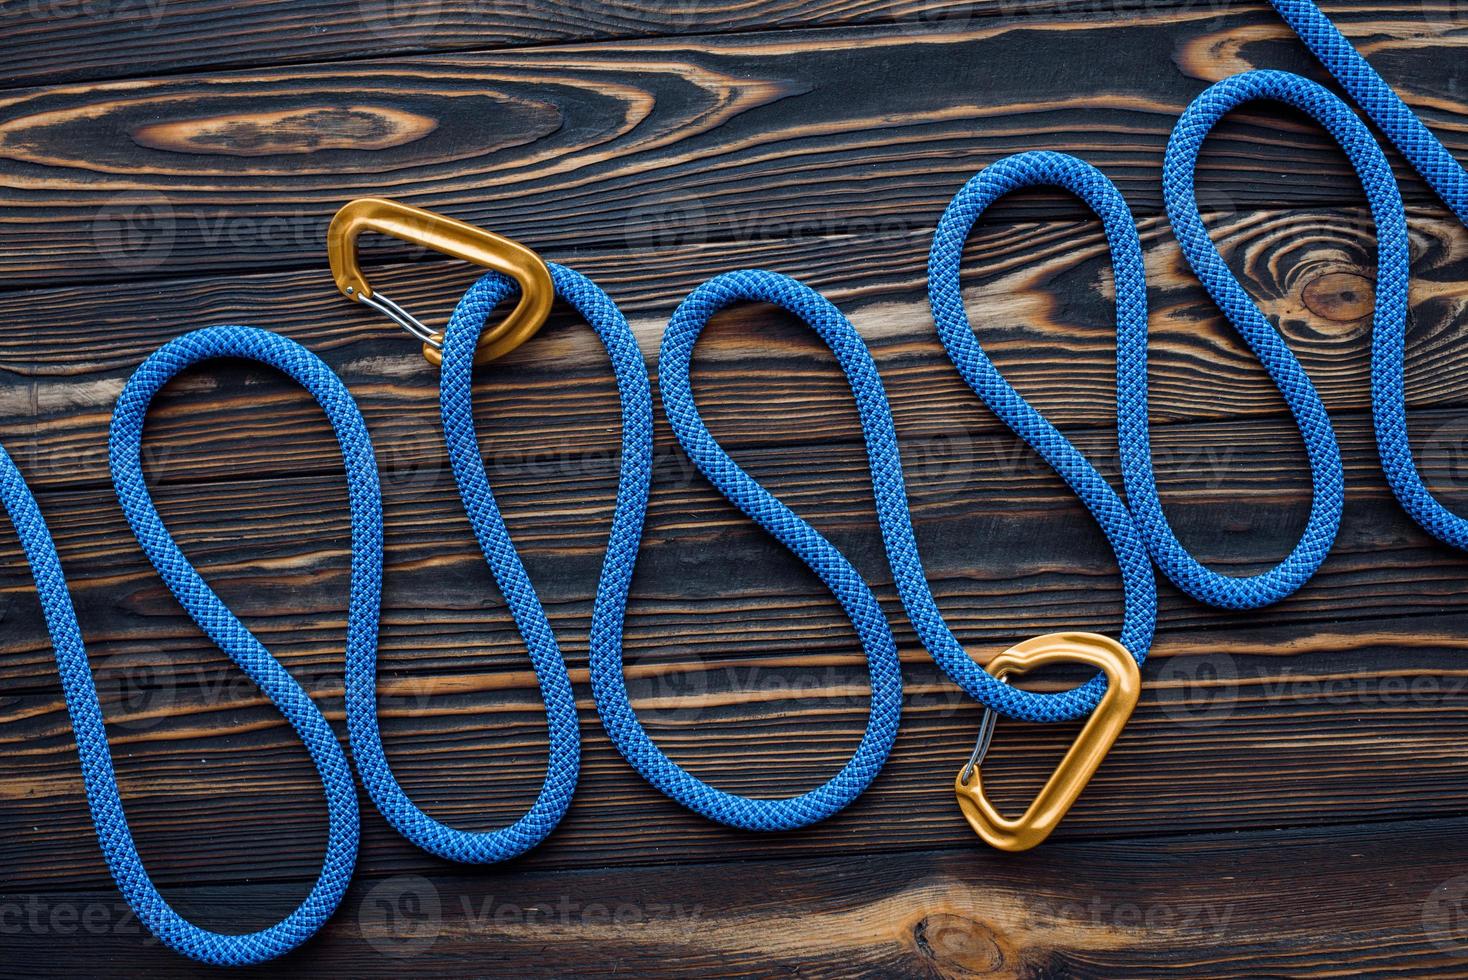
(1449, 180)
(222, 627)
(1037, 169)
(1388, 343)
(805, 542)
(1137, 535)
(460, 342)
(1300, 396)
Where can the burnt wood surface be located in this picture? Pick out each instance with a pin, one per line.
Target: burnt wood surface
(1287, 800)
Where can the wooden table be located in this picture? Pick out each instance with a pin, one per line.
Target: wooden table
(1290, 796)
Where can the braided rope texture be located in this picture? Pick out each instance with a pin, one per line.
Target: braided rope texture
(805, 542)
(1388, 347)
(1449, 180)
(1367, 89)
(105, 801)
(1130, 542)
(222, 627)
(455, 397)
(945, 296)
(1327, 475)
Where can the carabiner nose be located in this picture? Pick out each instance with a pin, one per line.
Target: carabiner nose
(451, 237)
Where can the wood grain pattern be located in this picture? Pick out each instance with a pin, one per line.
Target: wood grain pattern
(984, 520)
(59, 40)
(1269, 752)
(1286, 800)
(753, 662)
(1038, 293)
(651, 142)
(65, 41)
(1286, 903)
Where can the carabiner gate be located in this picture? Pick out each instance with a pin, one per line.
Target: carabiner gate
(1123, 685)
(451, 237)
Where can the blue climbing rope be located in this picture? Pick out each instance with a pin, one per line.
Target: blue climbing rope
(1367, 89)
(222, 627)
(1132, 534)
(1139, 589)
(1449, 180)
(1328, 479)
(1388, 344)
(805, 542)
(460, 340)
(100, 780)
(885, 466)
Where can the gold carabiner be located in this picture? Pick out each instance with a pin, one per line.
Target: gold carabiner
(1123, 685)
(451, 237)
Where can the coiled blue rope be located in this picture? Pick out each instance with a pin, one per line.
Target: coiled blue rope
(563, 765)
(220, 624)
(222, 627)
(1426, 154)
(945, 296)
(805, 542)
(885, 465)
(100, 780)
(1449, 180)
(1328, 479)
(1388, 343)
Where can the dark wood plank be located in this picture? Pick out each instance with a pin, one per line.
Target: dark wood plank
(744, 668)
(59, 41)
(1270, 752)
(1039, 294)
(751, 136)
(1291, 903)
(987, 516)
